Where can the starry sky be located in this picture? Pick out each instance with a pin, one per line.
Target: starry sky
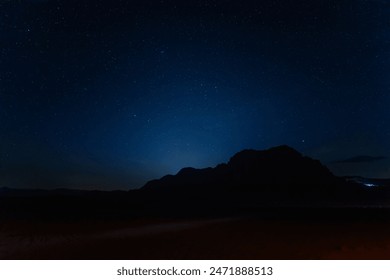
(110, 94)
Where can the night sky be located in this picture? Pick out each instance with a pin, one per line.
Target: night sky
(110, 94)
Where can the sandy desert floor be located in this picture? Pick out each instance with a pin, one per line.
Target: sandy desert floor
(235, 238)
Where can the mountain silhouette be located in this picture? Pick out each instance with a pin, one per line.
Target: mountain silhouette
(277, 173)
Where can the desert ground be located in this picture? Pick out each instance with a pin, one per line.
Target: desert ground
(214, 238)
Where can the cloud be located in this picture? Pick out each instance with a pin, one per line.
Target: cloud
(360, 159)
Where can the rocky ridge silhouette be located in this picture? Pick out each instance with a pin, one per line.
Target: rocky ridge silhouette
(277, 173)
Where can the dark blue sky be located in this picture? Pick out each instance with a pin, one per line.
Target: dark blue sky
(109, 94)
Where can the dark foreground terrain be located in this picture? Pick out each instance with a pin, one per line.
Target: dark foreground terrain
(249, 233)
(194, 239)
